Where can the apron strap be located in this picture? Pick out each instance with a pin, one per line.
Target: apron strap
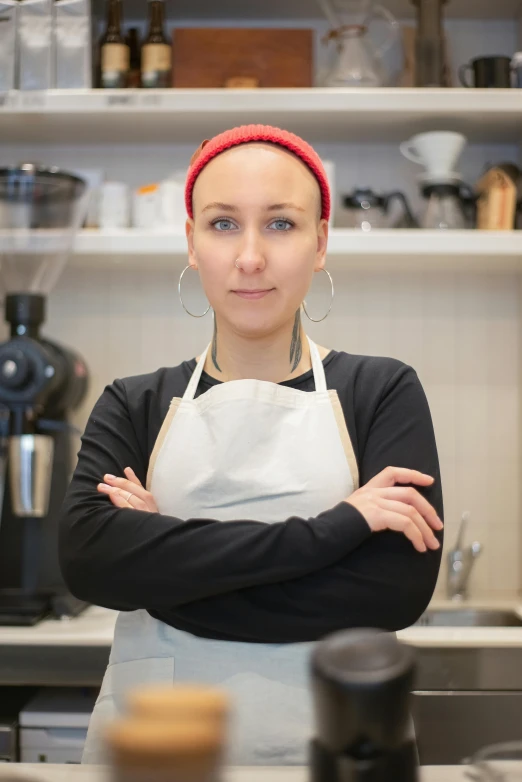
(192, 387)
(317, 367)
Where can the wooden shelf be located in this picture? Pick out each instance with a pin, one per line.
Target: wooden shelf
(177, 116)
(306, 9)
(406, 250)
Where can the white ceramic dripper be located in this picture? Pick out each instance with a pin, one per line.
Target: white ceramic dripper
(437, 151)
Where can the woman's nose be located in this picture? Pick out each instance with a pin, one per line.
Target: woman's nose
(251, 257)
(249, 264)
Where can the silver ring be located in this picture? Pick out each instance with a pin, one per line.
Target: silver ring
(129, 495)
(318, 320)
(235, 264)
(181, 297)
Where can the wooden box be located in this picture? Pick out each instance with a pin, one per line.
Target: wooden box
(238, 57)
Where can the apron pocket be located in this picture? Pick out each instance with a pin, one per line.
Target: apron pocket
(272, 722)
(121, 677)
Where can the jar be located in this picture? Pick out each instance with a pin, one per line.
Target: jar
(142, 750)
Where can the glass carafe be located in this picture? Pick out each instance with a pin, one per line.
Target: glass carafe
(357, 65)
(358, 60)
(449, 206)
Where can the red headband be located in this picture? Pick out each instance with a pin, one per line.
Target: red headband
(209, 148)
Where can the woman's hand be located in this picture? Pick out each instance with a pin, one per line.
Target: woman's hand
(399, 508)
(128, 492)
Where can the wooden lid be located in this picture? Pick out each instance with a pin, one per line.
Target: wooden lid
(141, 743)
(181, 701)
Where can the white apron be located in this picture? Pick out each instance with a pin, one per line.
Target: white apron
(246, 449)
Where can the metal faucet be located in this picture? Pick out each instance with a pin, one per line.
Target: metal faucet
(460, 563)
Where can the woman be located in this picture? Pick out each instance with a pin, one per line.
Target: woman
(323, 463)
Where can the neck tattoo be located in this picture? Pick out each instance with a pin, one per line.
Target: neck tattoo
(214, 348)
(296, 348)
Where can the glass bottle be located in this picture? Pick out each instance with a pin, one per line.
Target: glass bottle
(156, 52)
(114, 52)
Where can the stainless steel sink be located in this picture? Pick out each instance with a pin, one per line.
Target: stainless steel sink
(468, 617)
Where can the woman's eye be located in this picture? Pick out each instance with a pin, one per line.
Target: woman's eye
(282, 225)
(223, 224)
(228, 223)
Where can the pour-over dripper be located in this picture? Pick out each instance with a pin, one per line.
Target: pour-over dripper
(437, 151)
(40, 211)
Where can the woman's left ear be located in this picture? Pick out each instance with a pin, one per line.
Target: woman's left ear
(189, 232)
(322, 244)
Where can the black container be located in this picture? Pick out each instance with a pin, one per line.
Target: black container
(361, 684)
(488, 73)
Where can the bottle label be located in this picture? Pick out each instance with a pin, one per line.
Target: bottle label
(115, 57)
(156, 57)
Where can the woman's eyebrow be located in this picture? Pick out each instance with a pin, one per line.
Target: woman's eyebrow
(271, 208)
(220, 205)
(285, 205)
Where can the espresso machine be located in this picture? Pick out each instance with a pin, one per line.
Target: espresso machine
(361, 684)
(40, 382)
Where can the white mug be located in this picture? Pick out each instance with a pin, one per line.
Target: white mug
(114, 205)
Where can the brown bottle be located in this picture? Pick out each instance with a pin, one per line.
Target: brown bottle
(156, 52)
(114, 52)
(133, 42)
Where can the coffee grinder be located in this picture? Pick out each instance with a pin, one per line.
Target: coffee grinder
(361, 684)
(40, 382)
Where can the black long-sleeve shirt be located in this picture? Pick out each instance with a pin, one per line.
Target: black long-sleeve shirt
(293, 580)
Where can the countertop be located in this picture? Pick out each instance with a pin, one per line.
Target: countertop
(47, 772)
(95, 628)
(467, 637)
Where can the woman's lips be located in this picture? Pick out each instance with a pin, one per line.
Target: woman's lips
(258, 294)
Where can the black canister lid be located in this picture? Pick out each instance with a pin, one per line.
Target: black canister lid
(362, 657)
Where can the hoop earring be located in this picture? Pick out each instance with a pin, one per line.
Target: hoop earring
(318, 320)
(181, 297)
